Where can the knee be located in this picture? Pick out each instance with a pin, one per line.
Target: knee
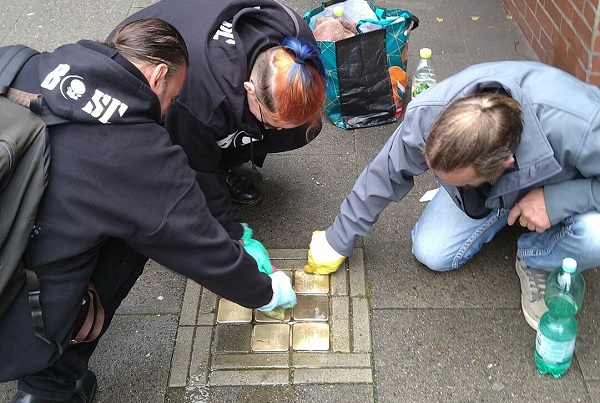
(432, 259)
(586, 230)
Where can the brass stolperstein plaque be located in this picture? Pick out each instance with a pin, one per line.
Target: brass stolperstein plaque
(271, 337)
(230, 312)
(310, 337)
(305, 283)
(313, 308)
(262, 318)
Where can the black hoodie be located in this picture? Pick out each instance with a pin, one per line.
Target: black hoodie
(120, 179)
(224, 37)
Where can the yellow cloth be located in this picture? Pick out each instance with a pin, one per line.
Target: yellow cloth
(322, 258)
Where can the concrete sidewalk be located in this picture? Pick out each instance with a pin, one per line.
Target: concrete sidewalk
(397, 332)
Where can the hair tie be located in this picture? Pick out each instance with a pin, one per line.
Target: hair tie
(299, 61)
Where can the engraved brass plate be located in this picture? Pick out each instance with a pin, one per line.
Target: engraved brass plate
(271, 337)
(230, 312)
(313, 308)
(260, 317)
(310, 337)
(305, 283)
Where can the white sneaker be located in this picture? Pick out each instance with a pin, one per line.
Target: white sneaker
(533, 287)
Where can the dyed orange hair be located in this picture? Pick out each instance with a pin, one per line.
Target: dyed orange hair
(290, 81)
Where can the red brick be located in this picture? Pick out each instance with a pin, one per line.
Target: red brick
(559, 43)
(548, 47)
(595, 65)
(532, 22)
(568, 32)
(589, 14)
(561, 64)
(575, 65)
(581, 28)
(597, 44)
(553, 12)
(546, 23)
(540, 51)
(575, 4)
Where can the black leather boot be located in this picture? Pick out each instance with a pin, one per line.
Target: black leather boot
(241, 189)
(85, 389)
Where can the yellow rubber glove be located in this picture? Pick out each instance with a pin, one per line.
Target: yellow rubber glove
(322, 258)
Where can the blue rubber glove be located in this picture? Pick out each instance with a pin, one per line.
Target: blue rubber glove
(283, 293)
(256, 249)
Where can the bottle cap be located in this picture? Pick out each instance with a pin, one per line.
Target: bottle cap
(338, 11)
(569, 265)
(425, 53)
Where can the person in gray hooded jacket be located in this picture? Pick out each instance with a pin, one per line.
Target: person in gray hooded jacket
(506, 148)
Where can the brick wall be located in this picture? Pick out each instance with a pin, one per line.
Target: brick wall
(563, 33)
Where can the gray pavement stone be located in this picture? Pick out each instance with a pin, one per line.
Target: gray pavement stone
(587, 349)
(329, 393)
(132, 362)
(465, 355)
(47, 24)
(180, 363)
(250, 377)
(356, 271)
(189, 306)
(198, 370)
(338, 281)
(315, 360)
(333, 375)
(240, 361)
(296, 187)
(208, 308)
(361, 325)
(340, 324)
(158, 290)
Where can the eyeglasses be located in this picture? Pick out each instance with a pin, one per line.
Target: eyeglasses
(266, 125)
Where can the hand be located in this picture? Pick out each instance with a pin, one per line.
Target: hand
(256, 249)
(531, 212)
(322, 258)
(283, 293)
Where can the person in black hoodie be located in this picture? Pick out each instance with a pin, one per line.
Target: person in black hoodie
(119, 192)
(255, 86)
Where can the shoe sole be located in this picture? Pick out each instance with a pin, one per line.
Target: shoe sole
(248, 204)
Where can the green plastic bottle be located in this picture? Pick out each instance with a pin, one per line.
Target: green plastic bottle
(557, 330)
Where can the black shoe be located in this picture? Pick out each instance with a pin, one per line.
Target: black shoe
(24, 397)
(85, 389)
(241, 189)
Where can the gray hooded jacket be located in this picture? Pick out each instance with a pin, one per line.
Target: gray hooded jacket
(558, 151)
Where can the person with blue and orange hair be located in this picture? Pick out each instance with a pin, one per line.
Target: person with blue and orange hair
(255, 86)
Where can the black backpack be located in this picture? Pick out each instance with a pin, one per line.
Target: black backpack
(24, 163)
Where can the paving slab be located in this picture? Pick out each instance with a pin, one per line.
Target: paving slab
(463, 355)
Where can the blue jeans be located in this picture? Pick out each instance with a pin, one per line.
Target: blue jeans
(445, 238)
